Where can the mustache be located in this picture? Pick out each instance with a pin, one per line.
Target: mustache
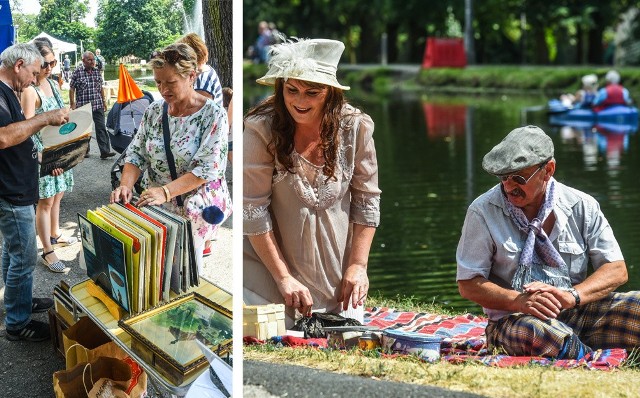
(517, 192)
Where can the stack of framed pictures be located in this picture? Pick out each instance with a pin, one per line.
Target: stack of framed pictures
(166, 336)
(138, 255)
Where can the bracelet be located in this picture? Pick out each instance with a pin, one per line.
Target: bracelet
(576, 296)
(167, 194)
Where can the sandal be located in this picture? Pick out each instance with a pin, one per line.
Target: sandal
(61, 240)
(56, 266)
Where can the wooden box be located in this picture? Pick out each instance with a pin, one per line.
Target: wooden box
(263, 321)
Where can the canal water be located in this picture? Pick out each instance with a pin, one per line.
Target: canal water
(430, 150)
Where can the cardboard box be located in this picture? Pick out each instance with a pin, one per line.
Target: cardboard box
(263, 321)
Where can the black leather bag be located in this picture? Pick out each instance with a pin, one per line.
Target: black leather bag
(313, 326)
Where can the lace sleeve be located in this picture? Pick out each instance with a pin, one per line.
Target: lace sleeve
(365, 194)
(258, 170)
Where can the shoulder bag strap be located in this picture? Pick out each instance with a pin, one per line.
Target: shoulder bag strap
(170, 161)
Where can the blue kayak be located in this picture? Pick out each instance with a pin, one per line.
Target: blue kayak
(617, 117)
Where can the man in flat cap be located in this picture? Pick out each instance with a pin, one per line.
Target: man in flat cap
(523, 256)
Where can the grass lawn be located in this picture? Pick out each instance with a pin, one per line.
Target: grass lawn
(525, 381)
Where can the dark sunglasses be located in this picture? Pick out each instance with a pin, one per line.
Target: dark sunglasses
(171, 56)
(51, 64)
(520, 180)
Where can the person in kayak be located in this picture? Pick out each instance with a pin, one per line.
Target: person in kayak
(612, 94)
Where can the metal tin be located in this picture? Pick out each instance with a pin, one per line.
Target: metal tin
(368, 341)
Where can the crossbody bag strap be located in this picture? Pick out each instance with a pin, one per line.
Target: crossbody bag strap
(167, 149)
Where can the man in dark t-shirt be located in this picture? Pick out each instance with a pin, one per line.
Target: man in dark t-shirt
(20, 66)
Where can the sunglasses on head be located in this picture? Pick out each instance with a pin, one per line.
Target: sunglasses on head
(49, 64)
(520, 180)
(171, 56)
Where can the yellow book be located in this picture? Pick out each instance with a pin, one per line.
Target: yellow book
(154, 290)
(142, 274)
(132, 250)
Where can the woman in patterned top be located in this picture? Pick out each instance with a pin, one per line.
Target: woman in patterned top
(41, 97)
(207, 82)
(198, 141)
(311, 197)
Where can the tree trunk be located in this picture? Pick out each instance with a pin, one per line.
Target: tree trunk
(392, 46)
(595, 49)
(217, 18)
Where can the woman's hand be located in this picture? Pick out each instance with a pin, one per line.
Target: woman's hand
(152, 196)
(295, 295)
(355, 286)
(121, 194)
(57, 172)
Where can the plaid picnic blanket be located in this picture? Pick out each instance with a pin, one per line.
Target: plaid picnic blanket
(464, 340)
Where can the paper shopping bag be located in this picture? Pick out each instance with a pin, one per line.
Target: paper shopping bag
(78, 381)
(84, 342)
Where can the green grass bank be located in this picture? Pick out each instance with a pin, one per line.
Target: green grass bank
(529, 381)
(491, 79)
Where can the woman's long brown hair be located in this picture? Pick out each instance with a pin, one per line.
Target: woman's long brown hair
(283, 125)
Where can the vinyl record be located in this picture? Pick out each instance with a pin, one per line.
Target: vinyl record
(80, 122)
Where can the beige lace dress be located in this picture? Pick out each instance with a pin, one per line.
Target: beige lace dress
(310, 216)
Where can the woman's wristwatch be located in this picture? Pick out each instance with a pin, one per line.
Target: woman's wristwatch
(576, 296)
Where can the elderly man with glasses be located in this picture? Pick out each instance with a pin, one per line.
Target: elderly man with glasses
(523, 256)
(20, 66)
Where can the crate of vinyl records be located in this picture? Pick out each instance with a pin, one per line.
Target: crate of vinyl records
(140, 257)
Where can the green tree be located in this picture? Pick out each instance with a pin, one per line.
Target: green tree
(63, 19)
(26, 26)
(136, 27)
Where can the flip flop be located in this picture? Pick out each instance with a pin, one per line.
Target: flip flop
(56, 266)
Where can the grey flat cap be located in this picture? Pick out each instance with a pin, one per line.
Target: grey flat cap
(523, 147)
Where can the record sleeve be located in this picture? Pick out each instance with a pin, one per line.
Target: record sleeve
(64, 156)
(105, 258)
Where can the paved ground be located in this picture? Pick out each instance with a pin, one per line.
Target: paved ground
(26, 368)
(262, 380)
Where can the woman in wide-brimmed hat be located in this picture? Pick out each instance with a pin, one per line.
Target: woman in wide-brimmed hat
(311, 197)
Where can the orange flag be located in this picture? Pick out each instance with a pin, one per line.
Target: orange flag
(128, 90)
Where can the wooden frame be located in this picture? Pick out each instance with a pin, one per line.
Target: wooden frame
(164, 336)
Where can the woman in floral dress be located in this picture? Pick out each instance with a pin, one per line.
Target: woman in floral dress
(198, 141)
(41, 97)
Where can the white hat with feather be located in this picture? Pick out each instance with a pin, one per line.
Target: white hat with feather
(312, 60)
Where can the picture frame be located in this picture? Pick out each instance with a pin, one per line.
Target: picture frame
(165, 335)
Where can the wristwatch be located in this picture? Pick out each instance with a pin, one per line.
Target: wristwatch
(576, 296)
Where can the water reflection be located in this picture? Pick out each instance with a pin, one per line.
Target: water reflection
(429, 153)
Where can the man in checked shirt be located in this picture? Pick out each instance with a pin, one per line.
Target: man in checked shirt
(86, 86)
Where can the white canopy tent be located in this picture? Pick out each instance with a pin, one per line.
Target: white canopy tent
(59, 47)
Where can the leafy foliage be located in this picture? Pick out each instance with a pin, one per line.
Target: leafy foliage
(504, 31)
(62, 19)
(136, 27)
(27, 27)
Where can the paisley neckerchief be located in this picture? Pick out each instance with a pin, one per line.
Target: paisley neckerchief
(539, 260)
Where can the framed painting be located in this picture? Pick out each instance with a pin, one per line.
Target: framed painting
(165, 336)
